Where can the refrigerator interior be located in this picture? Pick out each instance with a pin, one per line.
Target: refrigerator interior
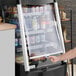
(43, 38)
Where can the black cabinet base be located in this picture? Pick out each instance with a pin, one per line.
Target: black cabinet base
(59, 70)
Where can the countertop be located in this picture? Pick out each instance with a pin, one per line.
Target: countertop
(7, 26)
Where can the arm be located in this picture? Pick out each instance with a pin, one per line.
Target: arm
(68, 55)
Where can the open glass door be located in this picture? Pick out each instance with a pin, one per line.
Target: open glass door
(40, 31)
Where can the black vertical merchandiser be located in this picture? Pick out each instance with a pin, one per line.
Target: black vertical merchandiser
(41, 36)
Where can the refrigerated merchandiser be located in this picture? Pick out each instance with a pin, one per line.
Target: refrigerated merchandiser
(41, 37)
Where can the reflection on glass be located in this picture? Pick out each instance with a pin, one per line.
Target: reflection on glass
(41, 30)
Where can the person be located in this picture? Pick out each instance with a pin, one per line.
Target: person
(68, 55)
(64, 31)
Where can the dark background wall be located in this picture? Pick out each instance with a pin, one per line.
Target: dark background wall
(68, 3)
(68, 6)
(8, 2)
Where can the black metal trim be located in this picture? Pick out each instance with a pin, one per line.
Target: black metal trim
(35, 2)
(72, 67)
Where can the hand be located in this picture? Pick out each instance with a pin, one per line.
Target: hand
(54, 58)
(67, 41)
(37, 59)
